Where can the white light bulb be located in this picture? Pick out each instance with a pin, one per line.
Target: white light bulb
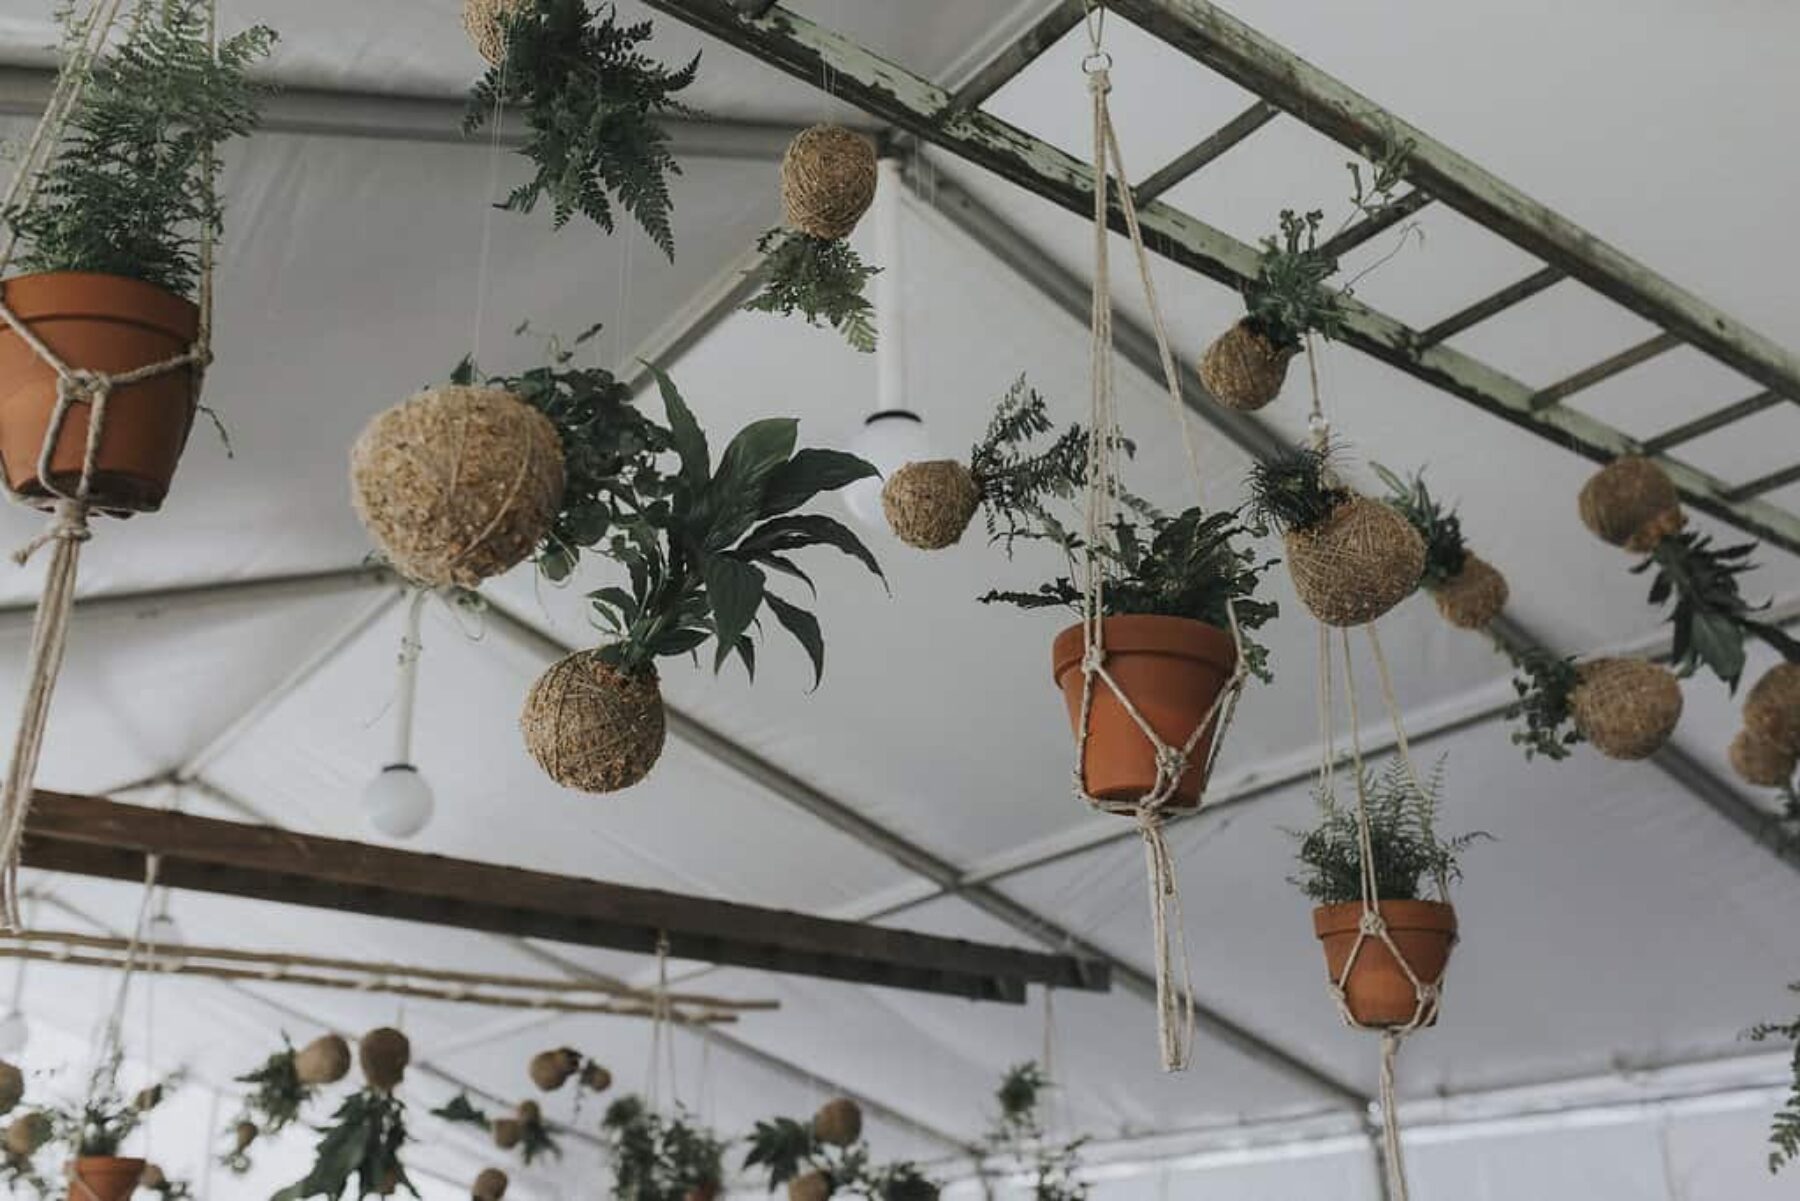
(890, 440)
(398, 801)
(15, 1032)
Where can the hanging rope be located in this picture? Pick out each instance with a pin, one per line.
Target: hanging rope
(68, 529)
(662, 1033)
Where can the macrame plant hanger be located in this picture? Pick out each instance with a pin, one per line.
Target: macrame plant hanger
(70, 510)
(1174, 975)
(1372, 926)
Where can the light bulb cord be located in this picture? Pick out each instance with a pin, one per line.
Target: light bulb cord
(407, 693)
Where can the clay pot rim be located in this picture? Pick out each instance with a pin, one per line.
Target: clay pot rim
(1425, 916)
(1147, 634)
(76, 295)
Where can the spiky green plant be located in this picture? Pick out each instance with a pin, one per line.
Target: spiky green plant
(1288, 298)
(1408, 854)
(786, 1148)
(596, 108)
(1710, 617)
(1440, 528)
(820, 279)
(132, 186)
(1294, 490)
(1784, 1128)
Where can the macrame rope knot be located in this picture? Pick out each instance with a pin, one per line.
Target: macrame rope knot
(69, 525)
(1093, 660)
(1373, 924)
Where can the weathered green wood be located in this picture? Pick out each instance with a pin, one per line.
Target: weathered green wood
(1373, 227)
(1605, 369)
(1715, 420)
(1490, 306)
(1768, 483)
(813, 53)
(1209, 148)
(1024, 51)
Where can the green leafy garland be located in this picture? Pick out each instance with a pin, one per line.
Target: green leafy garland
(1784, 1130)
(595, 107)
(1402, 833)
(821, 279)
(131, 187)
(364, 1142)
(1020, 1134)
(1545, 685)
(1711, 619)
(656, 1158)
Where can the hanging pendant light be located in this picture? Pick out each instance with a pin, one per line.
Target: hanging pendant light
(398, 802)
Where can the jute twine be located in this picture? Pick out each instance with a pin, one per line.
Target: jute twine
(490, 1185)
(384, 1054)
(1356, 564)
(457, 484)
(827, 181)
(1627, 708)
(1243, 370)
(593, 727)
(930, 504)
(1772, 707)
(1474, 596)
(485, 21)
(1762, 763)
(1631, 502)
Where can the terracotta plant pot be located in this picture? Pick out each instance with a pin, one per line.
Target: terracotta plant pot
(100, 323)
(105, 1179)
(1173, 669)
(1378, 991)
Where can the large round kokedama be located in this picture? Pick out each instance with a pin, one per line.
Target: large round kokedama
(929, 505)
(485, 21)
(1627, 708)
(827, 181)
(1243, 369)
(1631, 502)
(838, 1123)
(324, 1060)
(550, 1070)
(593, 727)
(1761, 763)
(1474, 596)
(489, 1186)
(1772, 708)
(457, 484)
(1357, 564)
(384, 1054)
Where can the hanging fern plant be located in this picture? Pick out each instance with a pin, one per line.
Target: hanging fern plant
(595, 105)
(819, 280)
(1784, 1130)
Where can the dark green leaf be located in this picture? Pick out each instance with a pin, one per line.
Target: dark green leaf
(690, 440)
(734, 590)
(809, 473)
(813, 529)
(805, 629)
(759, 449)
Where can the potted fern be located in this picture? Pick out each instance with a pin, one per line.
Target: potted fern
(1173, 585)
(1410, 860)
(95, 1132)
(111, 249)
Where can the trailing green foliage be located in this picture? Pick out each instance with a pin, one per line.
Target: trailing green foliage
(461, 1111)
(364, 1142)
(1441, 528)
(279, 1095)
(820, 279)
(595, 106)
(699, 554)
(535, 1138)
(786, 1148)
(1545, 684)
(1711, 619)
(656, 1158)
(1020, 1134)
(1407, 852)
(132, 186)
(1784, 1129)
(1186, 565)
(1295, 490)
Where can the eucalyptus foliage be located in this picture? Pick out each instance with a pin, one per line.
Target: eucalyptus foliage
(1020, 1133)
(1784, 1129)
(1440, 528)
(1545, 685)
(1711, 619)
(656, 1158)
(595, 107)
(821, 279)
(132, 186)
(1408, 854)
(363, 1145)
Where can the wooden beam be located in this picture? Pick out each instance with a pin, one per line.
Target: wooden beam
(811, 53)
(1687, 431)
(1001, 69)
(95, 837)
(1604, 370)
(1373, 227)
(1210, 148)
(1491, 306)
(1768, 483)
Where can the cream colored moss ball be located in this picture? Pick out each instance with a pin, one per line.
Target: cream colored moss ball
(1627, 708)
(1357, 564)
(929, 505)
(827, 181)
(592, 727)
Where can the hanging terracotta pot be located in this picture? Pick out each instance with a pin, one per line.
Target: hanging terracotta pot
(1173, 669)
(1356, 564)
(1631, 502)
(1243, 369)
(1378, 991)
(1627, 708)
(105, 323)
(929, 505)
(98, 1178)
(384, 1054)
(550, 1070)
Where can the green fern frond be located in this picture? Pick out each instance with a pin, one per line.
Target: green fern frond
(819, 279)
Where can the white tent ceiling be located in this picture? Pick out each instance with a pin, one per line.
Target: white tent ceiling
(1617, 933)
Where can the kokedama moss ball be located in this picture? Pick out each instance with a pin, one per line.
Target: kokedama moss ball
(384, 1054)
(838, 1122)
(26, 1133)
(550, 1070)
(1474, 596)
(529, 1114)
(1631, 502)
(12, 1087)
(153, 1178)
(1626, 707)
(457, 484)
(1760, 762)
(507, 1132)
(593, 727)
(1244, 370)
(928, 505)
(810, 1186)
(489, 1186)
(484, 20)
(827, 181)
(595, 1078)
(243, 1134)
(1356, 564)
(1772, 708)
(324, 1060)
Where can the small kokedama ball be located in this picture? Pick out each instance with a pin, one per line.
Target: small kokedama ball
(928, 505)
(484, 20)
(324, 1060)
(550, 1070)
(1626, 707)
(811, 1186)
(1356, 564)
(1474, 596)
(1243, 369)
(827, 181)
(489, 1186)
(384, 1054)
(1772, 707)
(593, 727)
(1760, 762)
(243, 1134)
(12, 1087)
(1631, 502)
(26, 1133)
(457, 484)
(594, 1078)
(529, 1114)
(838, 1123)
(152, 1178)
(507, 1132)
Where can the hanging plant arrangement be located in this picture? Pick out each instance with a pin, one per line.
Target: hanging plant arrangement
(368, 1131)
(285, 1083)
(1021, 1135)
(595, 106)
(96, 1131)
(551, 1070)
(1784, 1130)
(828, 177)
(828, 1157)
(657, 1158)
(524, 1131)
(697, 549)
(1351, 558)
(1627, 708)
(1470, 592)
